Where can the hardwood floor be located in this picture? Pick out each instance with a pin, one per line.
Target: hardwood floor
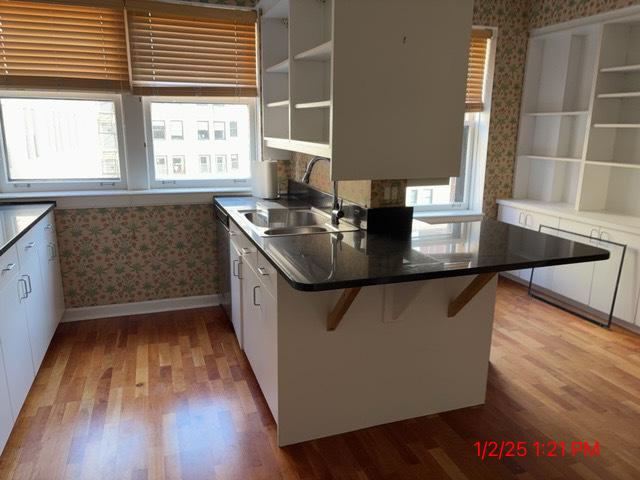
(171, 396)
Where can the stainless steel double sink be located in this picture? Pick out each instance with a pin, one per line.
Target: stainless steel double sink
(292, 221)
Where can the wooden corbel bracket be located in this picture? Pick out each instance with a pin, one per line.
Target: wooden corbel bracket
(342, 306)
(468, 293)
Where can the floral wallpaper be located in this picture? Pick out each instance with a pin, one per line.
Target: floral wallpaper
(236, 3)
(548, 12)
(133, 254)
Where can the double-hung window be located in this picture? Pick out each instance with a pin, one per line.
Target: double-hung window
(459, 193)
(69, 69)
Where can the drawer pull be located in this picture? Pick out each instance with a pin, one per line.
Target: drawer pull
(9, 267)
(30, 245)
(48, 226)
(520, 218)
(262, 271)
(246, 251)
(26, 293)
(254, 296)
(28, 283)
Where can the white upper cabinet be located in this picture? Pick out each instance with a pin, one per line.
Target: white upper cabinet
(378, 87)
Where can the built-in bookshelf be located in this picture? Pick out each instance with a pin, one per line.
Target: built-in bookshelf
(579, 141)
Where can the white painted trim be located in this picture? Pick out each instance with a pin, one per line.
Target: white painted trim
(610, 16)
(139, 308)
(129, 198)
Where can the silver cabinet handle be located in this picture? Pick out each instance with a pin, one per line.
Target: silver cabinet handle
(26, 294)
(48, 226)
(245, 250)
(591, 235)
(254, 296)
(233, 265)
(52, 253)
(262, 271)
(29, 288)
(232, 234)
(30, 245)
(9, 267)
(526, 220)
(604, 235)
(520, 218)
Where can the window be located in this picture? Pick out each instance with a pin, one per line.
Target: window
(219, 130)
(178, 165)
(227, 161)
(205, 163)
(177, 133)
(203, 130)
(159, 130)
(162, 169)
(53, 140)
(221, 163)
(235, 162)
(233, 129)
(461, 192)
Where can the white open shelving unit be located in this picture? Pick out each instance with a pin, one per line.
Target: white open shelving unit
(579, 141)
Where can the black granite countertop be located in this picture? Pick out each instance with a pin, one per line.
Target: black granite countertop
(328, 261)
(16, 219)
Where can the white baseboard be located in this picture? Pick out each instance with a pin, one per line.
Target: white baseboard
(137, 308)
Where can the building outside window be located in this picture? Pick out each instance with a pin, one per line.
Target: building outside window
(177, 131)
(162, 168)
(205, 163)
(203, 130)
(233, 129)
(159, 130)
(178, 165)
(221, 163)
(219, 130)
(235, 162)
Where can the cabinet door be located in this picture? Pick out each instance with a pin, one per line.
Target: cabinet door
(16, 346)
(236, 292)
(511, 215)
(39, 310)
(532, 221)
(51, 272)
(6, 414)
(606, 274)
(574, 281)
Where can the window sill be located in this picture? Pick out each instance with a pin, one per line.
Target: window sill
(448, 216)
(127, 198)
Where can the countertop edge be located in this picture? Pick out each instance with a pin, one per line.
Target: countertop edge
(415, 277)
(5, 248)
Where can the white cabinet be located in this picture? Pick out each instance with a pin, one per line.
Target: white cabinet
(337, 76)
(236, 292)
(606, 274)
(6, 413)
(259, 317)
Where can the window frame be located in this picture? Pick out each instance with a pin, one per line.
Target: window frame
(154, 183)
(25, 186)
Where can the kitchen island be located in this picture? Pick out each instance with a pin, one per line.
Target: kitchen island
(346, 330)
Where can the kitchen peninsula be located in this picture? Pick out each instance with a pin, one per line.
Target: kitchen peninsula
(346, 329)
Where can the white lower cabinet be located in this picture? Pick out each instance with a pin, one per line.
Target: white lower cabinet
(235, 266)
(32, 304)
(591, 284)
(259, 318)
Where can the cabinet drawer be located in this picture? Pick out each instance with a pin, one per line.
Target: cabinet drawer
(29, 244)
(267, 274)
(9, 266)
(48, 226)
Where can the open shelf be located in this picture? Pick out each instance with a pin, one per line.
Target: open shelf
(322, 104)
(281, 103)
(546, 179)
(619, 95)
(621, 69)
(616, 125)
(556, 114)
(321, 53)
(310, 148)
(280, 67)
(552, 159)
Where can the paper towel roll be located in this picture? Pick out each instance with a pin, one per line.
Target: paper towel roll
(265, 179)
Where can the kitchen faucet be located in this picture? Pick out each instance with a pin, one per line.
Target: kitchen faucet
(336, 212)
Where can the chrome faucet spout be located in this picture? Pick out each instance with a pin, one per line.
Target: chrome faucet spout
(336, 211)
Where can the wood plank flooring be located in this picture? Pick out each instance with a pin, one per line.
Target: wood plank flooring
(171, 396)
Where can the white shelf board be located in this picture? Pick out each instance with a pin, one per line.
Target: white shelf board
(322, 104)
(553, 159)
(619, 95)
(321, 53)
(621, 69)
(281, 67)
(613, 164)
(282, 103)
(280, 9)
(556, 114)
(310, 148)
(616, 125)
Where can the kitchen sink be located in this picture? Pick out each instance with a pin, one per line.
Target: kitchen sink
(283, 221)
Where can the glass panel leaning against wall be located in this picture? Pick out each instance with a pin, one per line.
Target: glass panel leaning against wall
(196, 147)
(49, 140)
